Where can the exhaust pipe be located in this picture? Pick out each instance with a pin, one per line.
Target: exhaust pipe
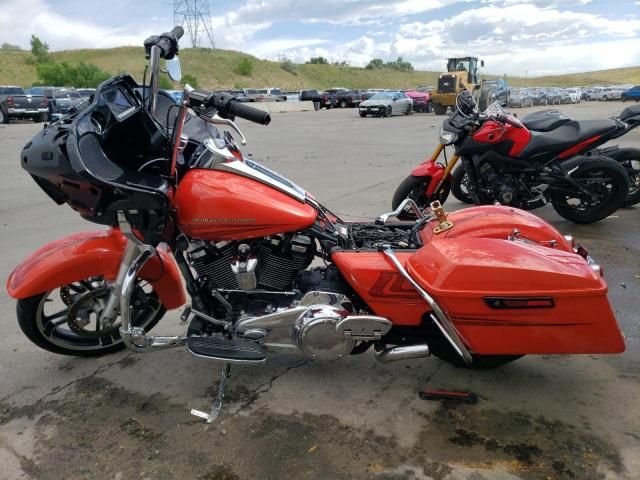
(405, 352)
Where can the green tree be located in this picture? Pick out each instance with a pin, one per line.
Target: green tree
(375, 64)
(39, 49)
(191, 80)
(10, 46)
(318, 61)
(245, 67)
(288, 66)
(61, 74)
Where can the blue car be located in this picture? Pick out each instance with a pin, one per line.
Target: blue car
(632, 94)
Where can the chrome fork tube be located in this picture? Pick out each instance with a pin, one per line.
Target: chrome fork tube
(438, 316)
(110, 312)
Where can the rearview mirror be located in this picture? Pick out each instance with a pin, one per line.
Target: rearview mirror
(173, 68)
(482, 63)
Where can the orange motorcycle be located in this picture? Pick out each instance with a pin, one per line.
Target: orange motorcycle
(183, 206)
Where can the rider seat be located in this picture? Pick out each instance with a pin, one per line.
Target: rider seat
(566, 136)
(545, 120)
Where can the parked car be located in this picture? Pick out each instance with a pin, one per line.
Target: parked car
(264, 94)
(15, 103)
(574, 94)
(351, 98)
(291, 96)
(607, 93)
(324, 99)
(385, 104)
(554, 96)
(586, 92)
(176, 95)
(308, 95)
(86, 92)
(520, 97)
(494, 91)
(632, 94)
(59, 99)
(539, 96)
(421, 102)
(564, 96)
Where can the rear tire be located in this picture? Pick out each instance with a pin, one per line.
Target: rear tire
(415, 188)
(610, 194)
(629, 158)
(459, 189)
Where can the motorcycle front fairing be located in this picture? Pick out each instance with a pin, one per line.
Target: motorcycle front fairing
(509, 282)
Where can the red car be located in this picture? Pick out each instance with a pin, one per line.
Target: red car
(421, 101)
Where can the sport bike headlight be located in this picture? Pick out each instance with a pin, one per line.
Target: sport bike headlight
(447, 138)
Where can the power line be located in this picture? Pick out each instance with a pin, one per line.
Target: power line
(195, 17)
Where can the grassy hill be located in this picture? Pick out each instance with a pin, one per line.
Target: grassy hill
(216, 69)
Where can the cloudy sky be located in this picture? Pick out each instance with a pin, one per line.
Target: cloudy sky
(517, 37)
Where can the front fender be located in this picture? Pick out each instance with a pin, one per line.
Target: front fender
(90, 254)
(430, 169)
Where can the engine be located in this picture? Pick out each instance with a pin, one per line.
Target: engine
(272, 263)
(520, 190)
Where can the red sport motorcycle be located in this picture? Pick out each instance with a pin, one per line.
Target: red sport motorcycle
(183, 206)
(551, 158)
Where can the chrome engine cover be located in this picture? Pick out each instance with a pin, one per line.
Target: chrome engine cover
(316, 334)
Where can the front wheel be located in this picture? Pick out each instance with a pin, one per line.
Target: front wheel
(460, 185)
(415, 188)
(363, 114)
(388, 111)
(439, 109)
(343, 104)
(66, 320)
(606, 182)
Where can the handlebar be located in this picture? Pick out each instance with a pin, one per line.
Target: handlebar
(167, 43)
(226, 106)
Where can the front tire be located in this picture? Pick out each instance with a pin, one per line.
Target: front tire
(343, 104)
(388, 111)
(45, 318)
(415, 188)
(363, 114)
(606, 179)
(459, 188)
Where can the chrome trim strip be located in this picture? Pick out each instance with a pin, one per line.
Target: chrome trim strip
(440, 318)
(403, 352)
(250, 169)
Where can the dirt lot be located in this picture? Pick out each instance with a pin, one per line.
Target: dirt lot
(127, 416)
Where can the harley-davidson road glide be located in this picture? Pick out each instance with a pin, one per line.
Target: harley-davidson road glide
(479, 287)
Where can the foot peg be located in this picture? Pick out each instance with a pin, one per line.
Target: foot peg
(224, 350)
(216, 407)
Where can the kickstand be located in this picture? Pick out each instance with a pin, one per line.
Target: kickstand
(216, 407)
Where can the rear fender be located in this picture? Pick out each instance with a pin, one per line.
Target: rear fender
(432, 170)
(90, 254)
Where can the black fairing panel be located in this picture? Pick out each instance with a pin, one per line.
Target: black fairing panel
(630, 113)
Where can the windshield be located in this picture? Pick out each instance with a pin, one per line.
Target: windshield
(67, 94)
(460, 64)
(382, 96)
(11, 91)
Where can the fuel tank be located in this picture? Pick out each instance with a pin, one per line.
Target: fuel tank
(220, 205)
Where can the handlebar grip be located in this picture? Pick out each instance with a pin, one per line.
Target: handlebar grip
(178, 32)
(249, 113)
(509, 121)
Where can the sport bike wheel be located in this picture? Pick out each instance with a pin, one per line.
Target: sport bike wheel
(605, 180)
(64, 320)
(630, 160)
(459, 185)
(415, 188)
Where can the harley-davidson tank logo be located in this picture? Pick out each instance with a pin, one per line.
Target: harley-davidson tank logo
(224, 220)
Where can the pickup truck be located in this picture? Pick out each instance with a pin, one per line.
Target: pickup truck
(632, 94)
(264, 95)
(325, 99)
(14, 103)
(351, 98)
(59, 99)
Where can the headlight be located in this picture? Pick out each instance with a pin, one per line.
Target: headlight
(447, 138)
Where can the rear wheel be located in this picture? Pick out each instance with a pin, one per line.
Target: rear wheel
(460, 185)
(415, 188)
(607, 184)
(439, 109)
(65, 320)
(629, 158)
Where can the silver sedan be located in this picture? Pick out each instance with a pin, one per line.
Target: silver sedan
(385, 104)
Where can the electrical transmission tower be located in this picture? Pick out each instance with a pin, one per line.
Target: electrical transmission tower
(195, 17)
